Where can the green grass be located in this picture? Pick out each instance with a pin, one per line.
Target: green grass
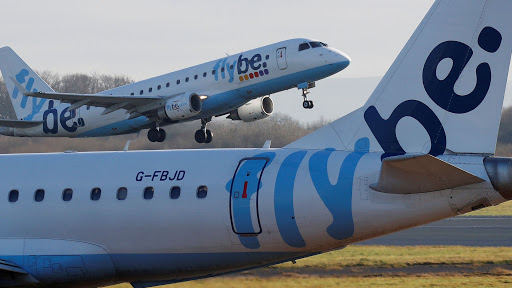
(394, 256)
(346, 282)
(323, 270)
(504, 209)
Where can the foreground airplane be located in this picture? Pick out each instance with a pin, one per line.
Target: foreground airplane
(418, 151)
(236, 86)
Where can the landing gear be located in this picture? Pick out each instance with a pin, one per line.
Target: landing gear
(307, 104)
(204, 135)
(156, 135)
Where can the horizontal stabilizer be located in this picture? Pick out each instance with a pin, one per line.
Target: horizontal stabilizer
(420, 174)
(19, 123)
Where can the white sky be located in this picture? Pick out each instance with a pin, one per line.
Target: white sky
(143, 39)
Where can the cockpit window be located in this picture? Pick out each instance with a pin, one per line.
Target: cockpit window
(303, 46)
(316, 44)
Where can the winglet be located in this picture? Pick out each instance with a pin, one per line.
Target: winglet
(420, 174)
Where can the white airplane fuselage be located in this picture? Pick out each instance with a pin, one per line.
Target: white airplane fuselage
(228, 83)
(417, 151)
(110, 241)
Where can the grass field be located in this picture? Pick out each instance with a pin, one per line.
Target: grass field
(379, 266)
(504, 209)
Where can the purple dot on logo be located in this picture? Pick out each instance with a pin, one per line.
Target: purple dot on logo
(266, 71)
(261, 73)
(264, 64)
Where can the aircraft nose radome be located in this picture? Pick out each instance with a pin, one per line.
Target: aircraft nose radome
(340, 59)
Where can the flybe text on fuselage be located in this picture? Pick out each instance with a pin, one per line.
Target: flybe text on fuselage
(247, 67)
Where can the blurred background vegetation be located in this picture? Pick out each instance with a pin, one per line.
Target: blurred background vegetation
(282, 129)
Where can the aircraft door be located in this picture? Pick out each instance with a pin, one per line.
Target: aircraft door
(243, 200)
(281, 58)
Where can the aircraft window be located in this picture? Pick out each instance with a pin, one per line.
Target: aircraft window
(213, 72)
(204, 74)
(222, 69)
(266, 57)
(186, 79)
(14, 195)
(95, 194)
(202, 191)
(132, 94)
(168, 84)
(141, 91)
(175, 192)
(231, 67)
(122, 193)
(148, 193)
(159, 87)
(315, 44)
(303, 46)
(39, 195)
(150, 90)
(178, 82)
(195, 77)
(67, 194)
(323, 44)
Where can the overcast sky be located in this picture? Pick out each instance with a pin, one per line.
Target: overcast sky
(147, 38)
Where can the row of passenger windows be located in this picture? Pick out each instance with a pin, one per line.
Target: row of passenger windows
(122, 193)
(159, 87)
(316, 44)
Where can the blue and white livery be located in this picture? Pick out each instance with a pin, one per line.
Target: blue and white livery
(420, 150)
(237, 86)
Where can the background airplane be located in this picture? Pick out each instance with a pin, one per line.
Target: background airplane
(419, 150)
(236, 86)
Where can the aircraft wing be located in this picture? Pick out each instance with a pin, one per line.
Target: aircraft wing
(420, 174)
(19, 123)
(131, 103)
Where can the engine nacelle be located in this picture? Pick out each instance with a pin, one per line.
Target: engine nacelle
(253, 110)
(181, 107)
(499, 170)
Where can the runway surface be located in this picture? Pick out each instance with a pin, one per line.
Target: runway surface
(480, 231)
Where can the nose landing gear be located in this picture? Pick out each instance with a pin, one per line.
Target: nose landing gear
(307, 104)
(204, 135)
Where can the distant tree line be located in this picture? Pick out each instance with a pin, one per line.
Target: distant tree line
(280, 128)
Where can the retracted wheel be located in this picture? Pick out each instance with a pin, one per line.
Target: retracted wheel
(209, 136)
(200, 136)
(153, 135)
(161, 135)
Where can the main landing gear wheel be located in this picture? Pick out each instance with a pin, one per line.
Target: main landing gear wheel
(200, 136)
(204, 135)
(156, 135)
(307, 104)
(209, 136)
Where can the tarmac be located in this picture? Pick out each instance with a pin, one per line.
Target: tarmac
(478, 231)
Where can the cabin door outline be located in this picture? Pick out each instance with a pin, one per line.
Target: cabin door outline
(246, 182)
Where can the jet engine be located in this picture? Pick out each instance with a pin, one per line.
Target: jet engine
(181, 107)
(253, 110)
(499, 170)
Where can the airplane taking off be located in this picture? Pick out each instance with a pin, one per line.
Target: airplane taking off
(237, 86)
(420, 150)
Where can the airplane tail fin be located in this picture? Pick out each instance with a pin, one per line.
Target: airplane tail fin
(444, 92)
(12, 66)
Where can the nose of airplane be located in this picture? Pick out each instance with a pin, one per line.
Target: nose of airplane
(338, 59)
